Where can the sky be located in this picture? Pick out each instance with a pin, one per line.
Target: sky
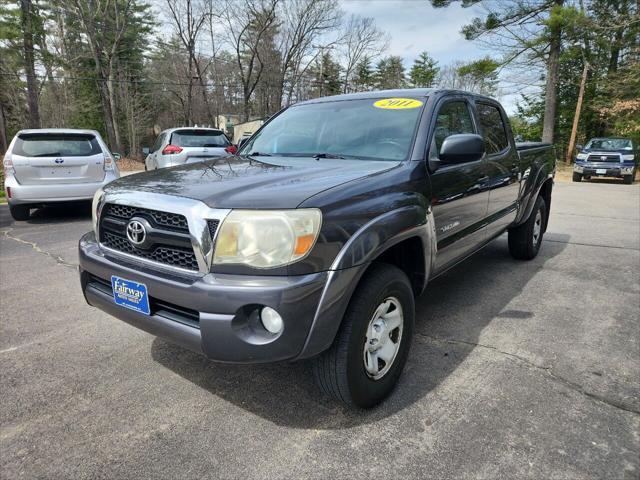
(415, 26)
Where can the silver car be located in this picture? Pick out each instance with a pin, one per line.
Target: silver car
(48, 166)
(178, 146)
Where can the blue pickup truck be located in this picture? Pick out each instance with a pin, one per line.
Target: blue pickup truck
(606, 157)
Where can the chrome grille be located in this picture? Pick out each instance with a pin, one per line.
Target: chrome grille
(169, 241)
(165, 219)
(603, 158)
(167, 255)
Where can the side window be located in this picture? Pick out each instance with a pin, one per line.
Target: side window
(493, 128)
(453, 118)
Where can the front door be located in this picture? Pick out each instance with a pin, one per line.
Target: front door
(459, 193)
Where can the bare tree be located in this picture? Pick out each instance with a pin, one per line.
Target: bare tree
(304, 22)
(98, 17)
(26, 9)
(360, 38)
(189, 19)
(248, 23)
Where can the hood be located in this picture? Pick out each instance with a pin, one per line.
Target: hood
(241, 182)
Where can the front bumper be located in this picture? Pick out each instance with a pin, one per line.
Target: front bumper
(63, 192)
(211, 314)
(603, 170)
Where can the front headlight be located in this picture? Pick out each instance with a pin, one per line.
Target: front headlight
(628, 157)
(95, 214)
(582, 156)
(267, 238)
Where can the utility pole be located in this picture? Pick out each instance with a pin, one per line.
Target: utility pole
(322, 49)
(576, 117)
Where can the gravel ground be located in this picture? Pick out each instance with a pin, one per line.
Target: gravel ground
(518, 370)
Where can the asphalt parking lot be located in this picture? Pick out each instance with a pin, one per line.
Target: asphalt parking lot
(518, 370)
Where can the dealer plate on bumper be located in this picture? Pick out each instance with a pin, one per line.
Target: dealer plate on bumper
(601, 171)
(130, 294)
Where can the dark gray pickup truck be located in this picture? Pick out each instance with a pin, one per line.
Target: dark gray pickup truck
(313, 241)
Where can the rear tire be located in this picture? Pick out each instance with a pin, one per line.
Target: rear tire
(20, 212)
(577, 177)
(525, 239)
(377, 325)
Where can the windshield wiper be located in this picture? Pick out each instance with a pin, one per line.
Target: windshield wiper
(259, 154)
(51, 154)
(327, 155)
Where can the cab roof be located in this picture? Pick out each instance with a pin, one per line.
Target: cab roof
(400, 92)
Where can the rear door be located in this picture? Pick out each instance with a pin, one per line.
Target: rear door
(503, 167)
(199, 144)
(57, 158)
(459, 194)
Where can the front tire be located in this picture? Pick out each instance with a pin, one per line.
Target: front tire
(366, 359)
(628, 179)
(20, 212)
(577, 177)
(525, 239)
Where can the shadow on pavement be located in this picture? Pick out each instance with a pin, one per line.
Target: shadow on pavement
(63, 213)
(615, 181)
(459, 304)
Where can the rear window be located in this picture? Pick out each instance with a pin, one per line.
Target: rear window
(56, 145)
(493, 128)
(198, 138)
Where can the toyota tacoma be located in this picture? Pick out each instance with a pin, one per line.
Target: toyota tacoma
(313, 241)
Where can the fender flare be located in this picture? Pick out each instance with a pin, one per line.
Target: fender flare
(541, 179)
(365, 245)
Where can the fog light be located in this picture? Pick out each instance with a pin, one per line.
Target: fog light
(271, 320)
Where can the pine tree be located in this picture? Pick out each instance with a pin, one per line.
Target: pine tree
(424, 70)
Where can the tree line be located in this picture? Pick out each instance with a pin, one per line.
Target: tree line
(127, 68)
(551, 43)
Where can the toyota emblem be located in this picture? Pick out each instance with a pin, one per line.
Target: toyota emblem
(136, 233)
(603, 158)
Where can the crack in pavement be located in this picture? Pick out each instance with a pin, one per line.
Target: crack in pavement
(548, 370)
(58, 259)
(591, 244)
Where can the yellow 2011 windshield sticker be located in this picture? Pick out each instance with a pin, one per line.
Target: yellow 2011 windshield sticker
(397, 103)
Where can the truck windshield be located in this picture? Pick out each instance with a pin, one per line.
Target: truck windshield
(609, 144)
(372, 129)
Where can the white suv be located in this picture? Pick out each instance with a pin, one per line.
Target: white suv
(55, 165)
(178, 146)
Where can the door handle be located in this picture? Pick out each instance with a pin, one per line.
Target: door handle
(483, 179)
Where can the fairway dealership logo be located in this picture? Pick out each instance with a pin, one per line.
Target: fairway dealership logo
(123, 290)
(136, 233)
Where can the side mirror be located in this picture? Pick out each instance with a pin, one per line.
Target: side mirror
(145, 150)
(462, 148)
(116, 156)
(579, 147)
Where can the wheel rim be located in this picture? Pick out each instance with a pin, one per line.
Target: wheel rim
(383, 337)
(537, 227)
